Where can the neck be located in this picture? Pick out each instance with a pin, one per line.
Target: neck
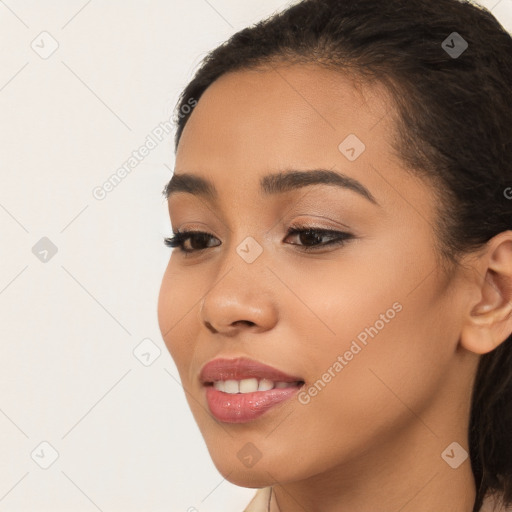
(407, 474)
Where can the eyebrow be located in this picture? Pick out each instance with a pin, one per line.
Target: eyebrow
(271, 184)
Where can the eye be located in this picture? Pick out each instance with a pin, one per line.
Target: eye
(196, 238)
(309, 237)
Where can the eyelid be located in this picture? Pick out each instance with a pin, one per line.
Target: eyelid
(196, 227)
(328, 223)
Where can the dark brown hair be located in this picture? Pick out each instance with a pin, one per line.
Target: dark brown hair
(453, 116)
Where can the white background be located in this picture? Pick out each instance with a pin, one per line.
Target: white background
(123, 431)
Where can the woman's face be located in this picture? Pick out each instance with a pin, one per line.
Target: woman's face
(370, 326)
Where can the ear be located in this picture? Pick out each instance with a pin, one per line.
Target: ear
(489, 320)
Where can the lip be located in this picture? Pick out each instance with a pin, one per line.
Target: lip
(244, 407)
(242, 368)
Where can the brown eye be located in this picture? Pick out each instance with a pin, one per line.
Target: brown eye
(198, 241)
(311, 238)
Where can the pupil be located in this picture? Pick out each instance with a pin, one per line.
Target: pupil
(311, 234)
(198, 239)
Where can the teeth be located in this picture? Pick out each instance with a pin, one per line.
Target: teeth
(219, 385)
(265, 385)
(249, 385)
(231, 386)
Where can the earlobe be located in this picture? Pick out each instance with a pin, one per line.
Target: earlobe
(478, 338)
(489, 321)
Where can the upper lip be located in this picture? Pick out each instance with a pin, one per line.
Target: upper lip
(242, 368)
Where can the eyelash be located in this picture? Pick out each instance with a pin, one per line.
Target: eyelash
(179, 238)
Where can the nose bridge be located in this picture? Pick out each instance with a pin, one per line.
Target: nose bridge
(239, 295)
(245, 249)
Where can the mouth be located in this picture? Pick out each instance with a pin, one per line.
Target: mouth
(241, 390)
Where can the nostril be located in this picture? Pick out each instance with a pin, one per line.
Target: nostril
(247, 322)
(210, 327)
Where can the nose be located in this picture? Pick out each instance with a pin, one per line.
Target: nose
(241, 300)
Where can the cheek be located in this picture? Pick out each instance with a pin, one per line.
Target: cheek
(176, 301)
(381, 332)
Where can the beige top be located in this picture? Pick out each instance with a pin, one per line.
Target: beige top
(261, 503)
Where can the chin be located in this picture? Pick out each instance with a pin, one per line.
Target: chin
(253, 474)
(252, 478)
(235, 464)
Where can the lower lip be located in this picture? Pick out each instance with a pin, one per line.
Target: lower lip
(243, 407)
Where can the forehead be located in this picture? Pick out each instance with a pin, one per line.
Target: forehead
(282, 115)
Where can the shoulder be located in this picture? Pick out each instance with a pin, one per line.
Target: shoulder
(260, 501)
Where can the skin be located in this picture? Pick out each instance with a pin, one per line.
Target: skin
(372, 439)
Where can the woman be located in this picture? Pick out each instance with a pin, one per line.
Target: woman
(339, 303)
